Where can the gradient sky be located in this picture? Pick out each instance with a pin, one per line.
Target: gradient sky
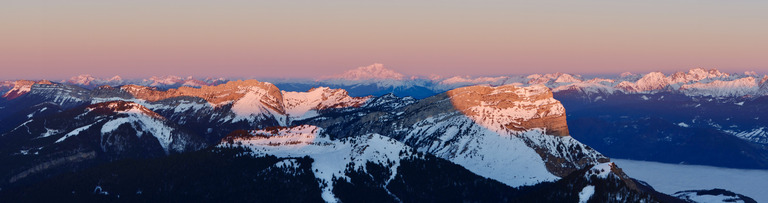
(139, 38)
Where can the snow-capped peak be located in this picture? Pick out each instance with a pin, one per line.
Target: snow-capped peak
(738, 87)
(649, 82)
(626, 75)
(89, 80)
(165, 80)
(567, 78)
(375, 71)
(84, 79)
(695, 75)
(115, 78)
(553, 77)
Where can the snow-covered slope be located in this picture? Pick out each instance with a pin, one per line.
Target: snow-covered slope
(145, 121)
(87, 135)
(301, 105)
(331, 157)
(512, 134)
(502, 157)
(250, 100)
(503, 127)
(108, 119)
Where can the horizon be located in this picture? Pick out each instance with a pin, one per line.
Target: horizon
(139, 39)
(409, 77)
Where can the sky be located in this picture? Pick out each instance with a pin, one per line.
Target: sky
(305, 39)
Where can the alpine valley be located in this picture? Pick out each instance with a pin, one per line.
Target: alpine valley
(374, 135)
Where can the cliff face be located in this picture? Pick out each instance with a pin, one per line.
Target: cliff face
(516, 111)
(216, 95)
(511, 108)
(21, 87)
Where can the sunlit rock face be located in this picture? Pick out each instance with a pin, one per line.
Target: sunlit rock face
(512, 108)
(218, 94)
(21, 87)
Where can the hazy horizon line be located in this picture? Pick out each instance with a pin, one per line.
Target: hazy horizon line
(409, 77)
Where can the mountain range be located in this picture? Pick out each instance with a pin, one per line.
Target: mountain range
(377, 80)
(371, 135)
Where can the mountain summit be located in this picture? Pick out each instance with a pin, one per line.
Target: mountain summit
(375, 71)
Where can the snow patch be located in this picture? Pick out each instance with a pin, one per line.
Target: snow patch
(758, 135)
(73, 133)
(586, 193)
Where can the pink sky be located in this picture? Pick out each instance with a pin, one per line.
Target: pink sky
(60, 39)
